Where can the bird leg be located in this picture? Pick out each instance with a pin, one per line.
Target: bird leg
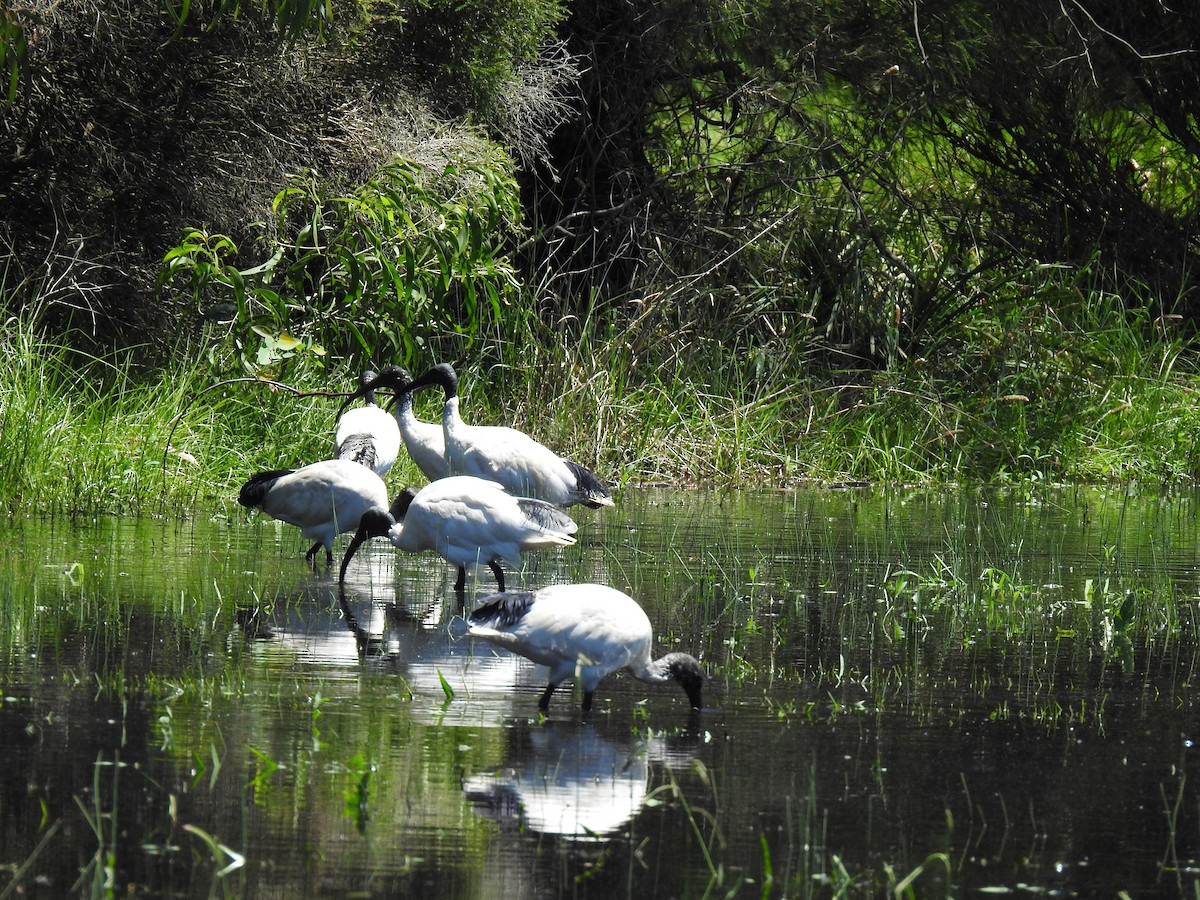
(311, 555)
(587, 701)
(499, 573)
(544, 703)
(460, 585)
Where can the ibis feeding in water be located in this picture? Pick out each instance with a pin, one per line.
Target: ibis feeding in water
(468, 522)
(582, 631)
(323, 499)
(367, 434)
(510, 457)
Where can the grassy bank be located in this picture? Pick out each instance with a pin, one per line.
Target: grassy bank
(1068, 388)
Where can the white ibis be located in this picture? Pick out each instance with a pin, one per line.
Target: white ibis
(424, 441)
(496, 453)
(581, 631)
(367, 434)
(323, 499)
(467, 521)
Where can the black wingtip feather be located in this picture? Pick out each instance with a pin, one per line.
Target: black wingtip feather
(255, 490)
(359, 448)
(502, 610)
(547, 515)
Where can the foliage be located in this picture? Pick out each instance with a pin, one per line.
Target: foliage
(128, 123)
(885, 181)
(13, 50)
(408, 255)
(292, 18)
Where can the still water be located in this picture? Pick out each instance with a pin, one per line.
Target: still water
(942, 693)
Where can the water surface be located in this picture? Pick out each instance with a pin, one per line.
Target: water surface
(964, 691)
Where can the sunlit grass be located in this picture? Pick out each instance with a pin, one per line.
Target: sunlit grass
(1074, 388)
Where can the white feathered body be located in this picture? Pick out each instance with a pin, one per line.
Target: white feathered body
(322, 499)
(512, 458)
(585, 629)
(470, 521)
(368, 435)
(424, 441)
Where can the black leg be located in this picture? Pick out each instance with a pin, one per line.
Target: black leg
(499, 573)
(311, 555)
(587, 701)
(461, 584)
(544, 703)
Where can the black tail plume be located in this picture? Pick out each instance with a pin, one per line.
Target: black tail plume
(547, 515)
(502, 610)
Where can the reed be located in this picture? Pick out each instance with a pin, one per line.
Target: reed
(1075, 387)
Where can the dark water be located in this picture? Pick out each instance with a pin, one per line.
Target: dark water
(950, 693)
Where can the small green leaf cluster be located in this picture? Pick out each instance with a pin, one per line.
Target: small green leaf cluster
(407, 256)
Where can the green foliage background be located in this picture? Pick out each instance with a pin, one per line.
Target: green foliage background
(696, 242)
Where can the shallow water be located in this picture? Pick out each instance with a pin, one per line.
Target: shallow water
(980, 691)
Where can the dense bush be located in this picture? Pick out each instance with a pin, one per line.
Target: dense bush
(128, 123)
(408, 257)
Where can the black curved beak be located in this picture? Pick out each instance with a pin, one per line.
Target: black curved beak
(392, 377)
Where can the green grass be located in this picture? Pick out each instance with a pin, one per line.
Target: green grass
(1070, 387)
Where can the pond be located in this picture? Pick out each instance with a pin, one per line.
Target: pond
(922, 692)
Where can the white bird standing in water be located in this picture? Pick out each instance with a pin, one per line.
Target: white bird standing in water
(323, 499)
(510, 457)
(367, 434)
(582, 631)
(468, 522)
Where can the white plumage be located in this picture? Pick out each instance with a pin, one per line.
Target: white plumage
(424, 441)
(510, 457)
(565, 781)
(468, 522)
(582, 631)
(368, 434)
(323, 499)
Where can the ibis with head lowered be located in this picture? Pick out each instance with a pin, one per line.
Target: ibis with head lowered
(468, 522)
(323, 499)
(582, 631)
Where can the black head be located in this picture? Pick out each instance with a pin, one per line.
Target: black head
(392, 377)
(443, 375)
(374, 523)
(401, 504)
(685, 669)
(364, 381)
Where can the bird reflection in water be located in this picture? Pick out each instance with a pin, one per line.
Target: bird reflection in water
(569, 780)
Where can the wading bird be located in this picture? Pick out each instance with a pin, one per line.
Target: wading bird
(425, 441)
(468, 522)
(582, 631)
(323, 499)
(367, 434)
(496, 453)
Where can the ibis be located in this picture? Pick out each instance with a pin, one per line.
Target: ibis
(467, 521)
(323, 499)
(510, 457)
(424, 441)
(581, 631)
(368, 434)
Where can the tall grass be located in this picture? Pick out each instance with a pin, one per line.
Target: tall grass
(1073, 386)
(93, 434)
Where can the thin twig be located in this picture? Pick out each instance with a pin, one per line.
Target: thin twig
(267, 382)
